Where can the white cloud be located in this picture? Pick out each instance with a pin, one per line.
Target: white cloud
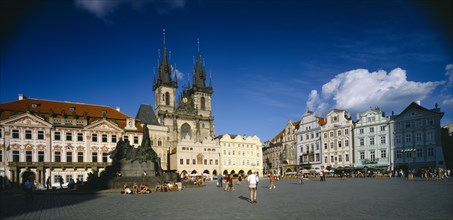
(356, 90)
(101, 8)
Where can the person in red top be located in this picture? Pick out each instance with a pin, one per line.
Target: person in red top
(271, 181)
(227, 181)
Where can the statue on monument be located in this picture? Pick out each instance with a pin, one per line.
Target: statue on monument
(134, 161)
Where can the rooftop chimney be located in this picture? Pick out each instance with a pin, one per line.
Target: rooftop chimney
(118, 109)
(21, 96)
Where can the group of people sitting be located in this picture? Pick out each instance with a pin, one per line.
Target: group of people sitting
(166, 187)
(144, 189)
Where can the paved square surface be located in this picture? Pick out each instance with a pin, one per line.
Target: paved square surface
(354, 198)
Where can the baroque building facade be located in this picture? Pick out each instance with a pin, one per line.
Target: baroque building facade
(60, 139)
(308, 141)
(240, 155)
(279, 154)
(337, 146)
(417, 138)
(372, 140)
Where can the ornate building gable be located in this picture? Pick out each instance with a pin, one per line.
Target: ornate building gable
(25, 120)
(104, 125)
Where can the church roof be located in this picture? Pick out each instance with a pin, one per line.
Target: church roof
(146, 115)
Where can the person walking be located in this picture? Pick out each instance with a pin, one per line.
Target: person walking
(28, 187)
(227, 183)
(253, 182)
(61, 182)
(220, 180)
(271, 181)
(48, 186)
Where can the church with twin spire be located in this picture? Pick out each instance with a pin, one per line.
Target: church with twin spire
(182, 126)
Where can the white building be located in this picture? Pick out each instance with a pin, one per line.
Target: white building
(240, 154)
(337, 147)
(308, 141)
(417, 138)
(372, 143)
(60, 139)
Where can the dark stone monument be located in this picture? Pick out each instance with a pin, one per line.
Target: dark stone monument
(137, 165)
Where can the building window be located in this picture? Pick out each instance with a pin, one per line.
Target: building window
(28, 134)
(383, 154)
(398, 139)
(340, 159)
(339, 143)
(194, 161)
(331, 145)
(40, 135)
(362, 142)
(339, 132)
(325, 135)
(372, 156)
(94, 138)
(104, 138)
(79, 136)
(325, 159)
(331, 134)
(126, 138)
(15, 134)
(362, 155)
(68, 136)
(372, 130)
(383, 128)
(418, 137)
(331, 159)
(28, 156)
(217, 162)
(408, 138)
(68, 156)
(325, 146)
(347, 157)
(382, 139)
(430, 152)
(114, 139)
(104, 157)
(408, 124)
(40, 156)
(371, 140)
(398, 154)
(346, 143)
(1, 133)
(419, 152)
(79, 157)
(94, 157)
(181, 161)
(15, 156)
(187, 161)
(56, 136)
(361, 131)
(57, 156)
(135, 140)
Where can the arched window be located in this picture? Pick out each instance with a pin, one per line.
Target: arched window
(203, 105)
(186, 131)
(167, 98)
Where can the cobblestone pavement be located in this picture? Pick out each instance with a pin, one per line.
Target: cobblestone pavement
(354, 198)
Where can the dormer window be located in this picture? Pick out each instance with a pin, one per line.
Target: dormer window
(72, 109)
(34, 105)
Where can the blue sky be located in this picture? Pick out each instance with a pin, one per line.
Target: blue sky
(269, 61)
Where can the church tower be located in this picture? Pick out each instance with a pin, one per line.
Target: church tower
(202, 96)
(164, 87)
